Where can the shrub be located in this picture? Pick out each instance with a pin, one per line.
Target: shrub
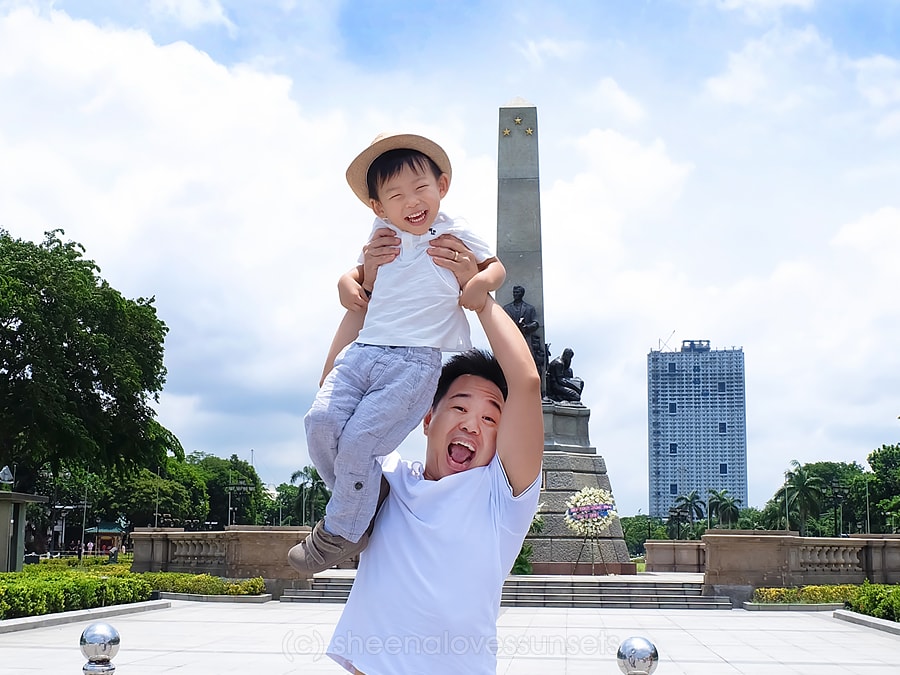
(843, 593)
(879, 600)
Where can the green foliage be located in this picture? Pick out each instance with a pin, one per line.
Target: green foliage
(82, 365)
(638, 529)
(202, 584)
(57, 585)
(44, 589)
(843, 593)
(522, 564)
(218, 474)
(879, 600)
(312, 495)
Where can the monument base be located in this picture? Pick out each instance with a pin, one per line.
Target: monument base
(570, 464)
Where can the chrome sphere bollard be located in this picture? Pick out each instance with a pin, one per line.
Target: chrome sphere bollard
(637, 656)
(99, 643)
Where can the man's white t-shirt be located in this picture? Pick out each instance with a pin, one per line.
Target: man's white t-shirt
(414, 302)
(427, 593)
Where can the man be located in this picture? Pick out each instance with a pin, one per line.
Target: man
(427, 592)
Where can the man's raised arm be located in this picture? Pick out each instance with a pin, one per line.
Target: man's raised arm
(520, 436)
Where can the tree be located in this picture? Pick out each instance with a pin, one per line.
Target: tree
(725, 505)
(803, 490)
(230, 482)
(80, 366)
(638, 529)
(312, 496)
(692, 505)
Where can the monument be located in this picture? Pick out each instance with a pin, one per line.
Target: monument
(570, 461)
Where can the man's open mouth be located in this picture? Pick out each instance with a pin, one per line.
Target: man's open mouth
(461, 453)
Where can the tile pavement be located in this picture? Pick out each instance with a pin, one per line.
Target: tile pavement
(212, 638)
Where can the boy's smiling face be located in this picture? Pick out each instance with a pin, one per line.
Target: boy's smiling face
(410, 200)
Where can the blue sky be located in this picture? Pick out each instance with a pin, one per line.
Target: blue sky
(723, 169)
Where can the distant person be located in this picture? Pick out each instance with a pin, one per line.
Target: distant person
(399, 323)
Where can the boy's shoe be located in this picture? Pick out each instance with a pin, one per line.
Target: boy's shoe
(321, 549)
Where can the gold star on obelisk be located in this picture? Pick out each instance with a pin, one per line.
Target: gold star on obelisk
(518, 120)
(506, 132)
(529, 131)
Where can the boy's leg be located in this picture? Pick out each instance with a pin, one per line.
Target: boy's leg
(403, 381)
(335, 403)
(402, 384)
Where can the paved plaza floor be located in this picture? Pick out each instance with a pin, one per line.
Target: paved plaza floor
(209, 638)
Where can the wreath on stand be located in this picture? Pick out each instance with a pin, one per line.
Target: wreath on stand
(589, 512)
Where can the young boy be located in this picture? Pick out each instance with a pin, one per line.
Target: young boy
(381, 386)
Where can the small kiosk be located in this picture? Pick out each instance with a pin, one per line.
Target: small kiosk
(12, 528)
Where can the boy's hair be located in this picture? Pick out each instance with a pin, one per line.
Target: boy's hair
(390, 163)
(472, 362)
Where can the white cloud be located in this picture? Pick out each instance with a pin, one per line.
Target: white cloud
(761, 9)
(194, 13)
(758, 73)
(539, 52)
(608, 97)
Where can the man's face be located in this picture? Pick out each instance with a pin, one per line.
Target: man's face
(411, 200)
(518, 293)
(462, 428)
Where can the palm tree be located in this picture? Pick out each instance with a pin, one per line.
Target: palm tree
(312, 496)
(692, 505)
(726, 506)
(677, 522)
(804, 493)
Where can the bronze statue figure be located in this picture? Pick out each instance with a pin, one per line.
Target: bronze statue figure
(525, 317)
(562, 385)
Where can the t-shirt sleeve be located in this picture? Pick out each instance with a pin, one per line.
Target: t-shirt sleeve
(515, 512)
(474, 242)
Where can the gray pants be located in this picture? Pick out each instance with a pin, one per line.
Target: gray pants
(369, 402)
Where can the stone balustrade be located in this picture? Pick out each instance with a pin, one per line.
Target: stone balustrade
(238, 552)
(735, 562)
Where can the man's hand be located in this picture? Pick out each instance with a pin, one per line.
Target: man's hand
(382, 248)
(450, 253)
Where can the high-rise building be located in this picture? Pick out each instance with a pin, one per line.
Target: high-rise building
(697, 424)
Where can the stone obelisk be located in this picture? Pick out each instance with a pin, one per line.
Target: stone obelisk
(570, 462)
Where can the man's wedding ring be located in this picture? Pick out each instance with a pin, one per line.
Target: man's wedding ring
(455, 256)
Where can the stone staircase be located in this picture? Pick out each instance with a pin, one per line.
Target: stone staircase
(631, 592)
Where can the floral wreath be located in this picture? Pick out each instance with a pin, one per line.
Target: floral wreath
(590, 511)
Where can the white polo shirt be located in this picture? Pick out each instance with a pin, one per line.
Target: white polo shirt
(414, 302)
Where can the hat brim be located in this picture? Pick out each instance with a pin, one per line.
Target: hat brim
(359, 167)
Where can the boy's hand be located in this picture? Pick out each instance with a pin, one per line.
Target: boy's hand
(352, 295)
(474, 295)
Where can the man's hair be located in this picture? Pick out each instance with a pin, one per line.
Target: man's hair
(473, 362)
(390, 163)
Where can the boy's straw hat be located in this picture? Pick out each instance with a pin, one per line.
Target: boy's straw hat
(359, 167)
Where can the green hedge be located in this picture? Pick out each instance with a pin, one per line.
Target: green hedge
(806, 594)
(33, 595)
(202, 584)
(59, 587)
(878, 600)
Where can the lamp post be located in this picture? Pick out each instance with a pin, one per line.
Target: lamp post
(868, 523)
(787, 514)
(240, 486)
